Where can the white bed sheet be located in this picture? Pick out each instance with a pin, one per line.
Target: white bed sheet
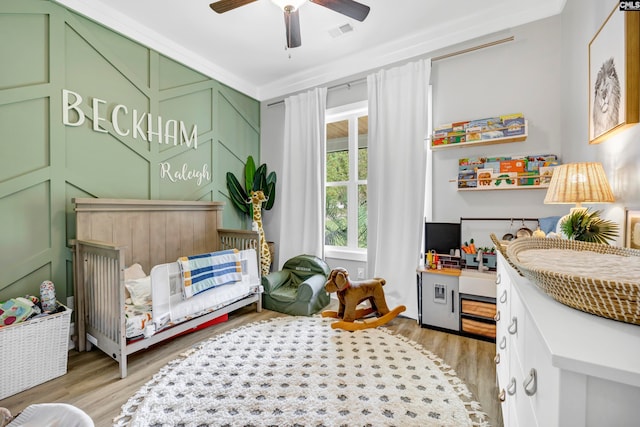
(137, 318)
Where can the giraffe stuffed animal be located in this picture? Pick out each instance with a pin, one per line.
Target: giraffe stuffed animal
(257, 198)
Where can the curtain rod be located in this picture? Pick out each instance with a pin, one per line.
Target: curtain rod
(471, 49)
(434, 59)
(513, 218)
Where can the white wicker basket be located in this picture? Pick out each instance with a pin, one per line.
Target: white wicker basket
(33, 352)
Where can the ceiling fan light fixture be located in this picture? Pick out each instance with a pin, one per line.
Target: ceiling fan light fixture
(350, 8)
(283, 4)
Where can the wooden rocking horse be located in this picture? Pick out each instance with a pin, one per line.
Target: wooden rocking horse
(351, 294)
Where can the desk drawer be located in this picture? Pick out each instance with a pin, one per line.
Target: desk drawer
(478, 308)
(477, 327)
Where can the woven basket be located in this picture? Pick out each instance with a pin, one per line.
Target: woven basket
(503, 250)
(607, 298)
(33, 352)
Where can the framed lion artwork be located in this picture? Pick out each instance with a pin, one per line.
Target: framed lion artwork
(614, 70)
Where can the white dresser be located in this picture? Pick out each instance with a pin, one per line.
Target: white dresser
(557, 366)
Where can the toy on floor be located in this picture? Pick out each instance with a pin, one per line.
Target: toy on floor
(350, 294)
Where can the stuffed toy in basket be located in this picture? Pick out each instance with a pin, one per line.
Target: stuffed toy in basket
(351, 293)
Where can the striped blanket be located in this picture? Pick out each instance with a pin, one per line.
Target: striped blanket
(207, 271)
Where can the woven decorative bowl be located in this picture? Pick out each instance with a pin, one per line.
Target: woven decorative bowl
(598, 293)
(502, 248)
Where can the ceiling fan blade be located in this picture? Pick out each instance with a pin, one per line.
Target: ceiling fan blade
(223, 6)
(350, 8)
(292, 22)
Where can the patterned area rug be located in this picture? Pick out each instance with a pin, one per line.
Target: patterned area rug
(298, 371)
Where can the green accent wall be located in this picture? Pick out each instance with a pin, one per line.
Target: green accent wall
(44, 164)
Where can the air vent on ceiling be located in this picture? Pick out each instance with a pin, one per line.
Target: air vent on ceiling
(342, 29)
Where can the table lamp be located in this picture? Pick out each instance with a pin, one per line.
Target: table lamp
(578, 183)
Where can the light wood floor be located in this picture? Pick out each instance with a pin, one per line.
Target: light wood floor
(93, 383)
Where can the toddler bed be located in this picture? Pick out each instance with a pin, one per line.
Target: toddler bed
(128, 285)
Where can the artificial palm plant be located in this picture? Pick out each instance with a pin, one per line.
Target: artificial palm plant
(587, 226)
(255, 179)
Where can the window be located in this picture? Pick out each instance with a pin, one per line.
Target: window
(346, 180)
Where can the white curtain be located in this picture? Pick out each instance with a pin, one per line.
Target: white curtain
(303, 172)
(398, 117)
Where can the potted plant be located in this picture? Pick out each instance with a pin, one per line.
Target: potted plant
(587, 226)
(254, 180)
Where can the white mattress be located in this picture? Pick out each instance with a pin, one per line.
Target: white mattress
(140, 322)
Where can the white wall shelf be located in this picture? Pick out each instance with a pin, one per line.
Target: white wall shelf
(511, 187)
(515, 138)
(489, 184)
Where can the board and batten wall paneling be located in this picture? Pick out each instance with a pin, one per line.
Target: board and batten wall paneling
(44, 164)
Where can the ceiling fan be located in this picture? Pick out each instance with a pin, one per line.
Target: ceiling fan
(349, 8)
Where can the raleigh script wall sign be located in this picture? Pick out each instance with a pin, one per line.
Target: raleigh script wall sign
(126, 122)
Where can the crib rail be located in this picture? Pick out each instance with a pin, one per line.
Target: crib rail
(100, 276)
(239, 239)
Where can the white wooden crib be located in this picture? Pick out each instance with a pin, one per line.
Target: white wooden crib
(112, 234)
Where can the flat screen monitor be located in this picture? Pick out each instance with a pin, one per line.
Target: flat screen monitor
(441, 236)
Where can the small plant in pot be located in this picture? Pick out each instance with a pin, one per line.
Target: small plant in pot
(255, 179)
(587, 226)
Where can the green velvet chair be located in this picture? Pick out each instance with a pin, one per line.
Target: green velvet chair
(298, 289)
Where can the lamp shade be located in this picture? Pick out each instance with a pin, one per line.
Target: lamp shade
(579, 183)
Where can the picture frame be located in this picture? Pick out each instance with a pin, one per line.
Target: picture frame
(632, 228)
(614, 74)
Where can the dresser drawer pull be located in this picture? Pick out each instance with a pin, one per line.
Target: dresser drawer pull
(497, 316)
(513, 327)
(503, 297)
(511, 388)
(531, 384)
(498, 279)
(502, 395)
(503, 343)
(497, 359)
